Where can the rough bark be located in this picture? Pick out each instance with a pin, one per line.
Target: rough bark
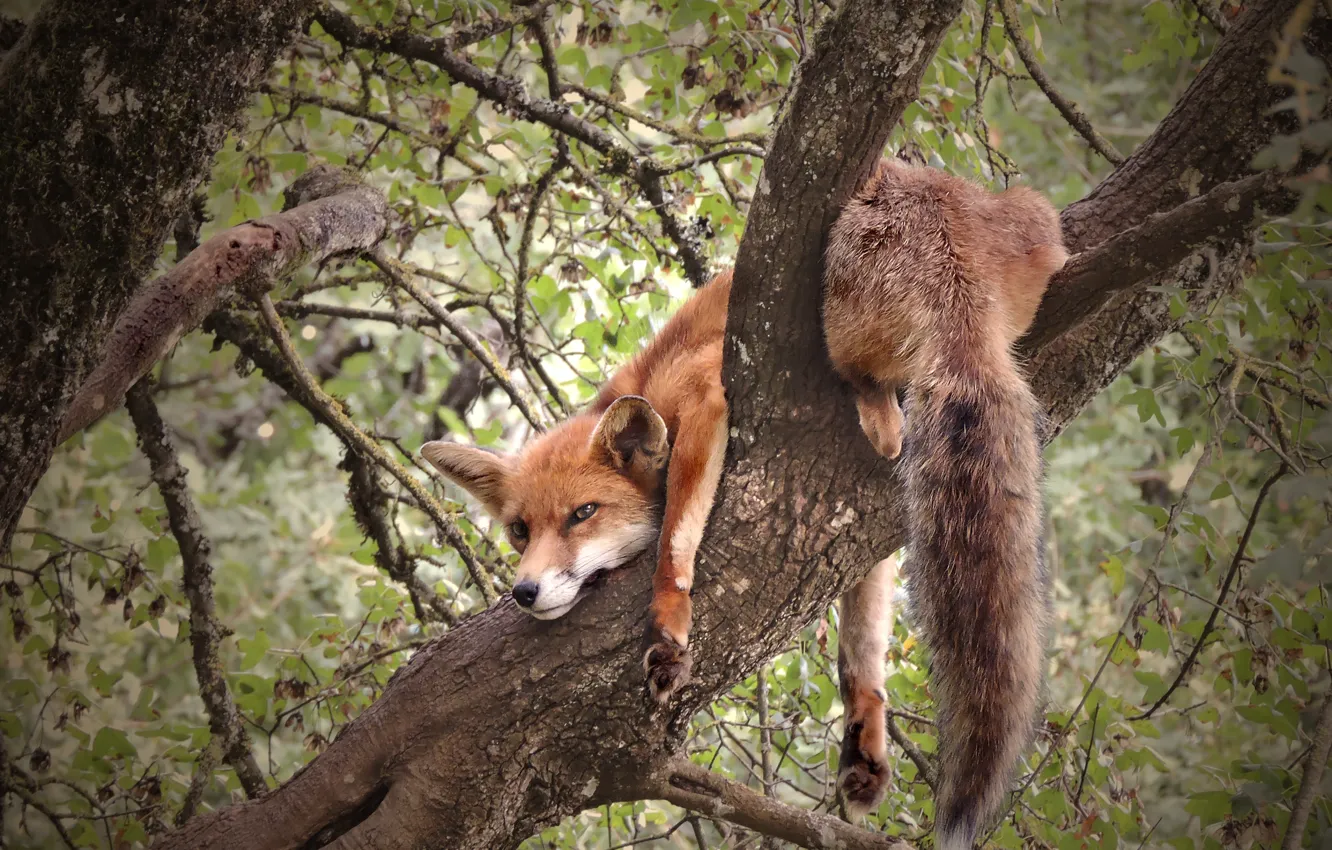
(112, 114)
(206, 633)
(326, 212)
(507, 724)
(1153, 248)
(1209, 138)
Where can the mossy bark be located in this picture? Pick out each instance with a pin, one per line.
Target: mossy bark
(112, 114)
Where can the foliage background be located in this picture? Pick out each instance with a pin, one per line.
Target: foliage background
(1149, 491)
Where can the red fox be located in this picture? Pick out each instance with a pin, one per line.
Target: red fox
(929, 281)
(592, 493)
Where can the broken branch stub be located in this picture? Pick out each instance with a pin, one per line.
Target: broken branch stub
(328, 211)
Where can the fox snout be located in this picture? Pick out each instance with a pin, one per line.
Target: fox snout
(525, 593)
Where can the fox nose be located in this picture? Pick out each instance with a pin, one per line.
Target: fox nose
(525, 593)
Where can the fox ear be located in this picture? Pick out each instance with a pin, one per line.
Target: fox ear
(483, 473)
(631, 438)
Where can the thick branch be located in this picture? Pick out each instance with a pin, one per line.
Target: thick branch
(698, 789)
(328, 212)
(206, 633)
(1209, 138)
(1146, 250)
(507, 695)
(537, 720)
(112, 114)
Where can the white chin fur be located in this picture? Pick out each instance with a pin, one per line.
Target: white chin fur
(552, 613)
(558, 592)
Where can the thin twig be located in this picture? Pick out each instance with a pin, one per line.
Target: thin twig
(350, 433)
(1221, 597)
(520, 285)
(464, 335)
(206, 632)
(913, 752)
(1071, 113)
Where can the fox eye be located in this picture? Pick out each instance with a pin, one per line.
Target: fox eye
(518, 530)
(584, 512)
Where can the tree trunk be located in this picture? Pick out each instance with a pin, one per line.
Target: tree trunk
(112, 114)
(507, 724)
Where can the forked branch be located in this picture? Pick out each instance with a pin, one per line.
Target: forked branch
(328, 211)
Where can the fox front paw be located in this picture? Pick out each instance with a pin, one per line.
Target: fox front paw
(863, 776)
(667, 664)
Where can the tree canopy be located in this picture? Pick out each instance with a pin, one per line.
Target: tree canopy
(245, 584)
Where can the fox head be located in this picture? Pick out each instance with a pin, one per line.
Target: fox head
(578, 500)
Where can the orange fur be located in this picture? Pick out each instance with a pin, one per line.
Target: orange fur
(607, 456)
(862, 642)
(929, 281)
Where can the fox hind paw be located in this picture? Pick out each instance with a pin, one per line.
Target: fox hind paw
(863, 777)
(667, 664)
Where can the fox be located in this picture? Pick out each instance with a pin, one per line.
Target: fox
(929, 281)
(640, 467)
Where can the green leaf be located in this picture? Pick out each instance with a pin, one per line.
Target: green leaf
(112, 742)
(1209, 806)
(1154, 638)
(1113, 567)
(252, 651)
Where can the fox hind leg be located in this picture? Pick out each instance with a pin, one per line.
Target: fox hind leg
(867, 622)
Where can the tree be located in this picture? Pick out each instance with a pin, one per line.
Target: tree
(481, 738)
(115, 112)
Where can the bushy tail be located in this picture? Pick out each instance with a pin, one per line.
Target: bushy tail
(974, 485)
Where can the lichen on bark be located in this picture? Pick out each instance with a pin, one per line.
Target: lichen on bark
(113, 111)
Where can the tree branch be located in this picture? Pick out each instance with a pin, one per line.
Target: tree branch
(327, 411)
(691, 786)
(367, 498)
(1208, 138)
(1140, 253)
(1074, 116)
(1312, 780)
(541, 719)
(1235, 562)
(503, 690)
(463, 334)
(79, 241)
(515, 98)
(327, 212)
(206, 632)
(336, 418)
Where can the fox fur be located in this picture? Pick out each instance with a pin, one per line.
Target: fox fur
(929, 281)
(666, 404)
